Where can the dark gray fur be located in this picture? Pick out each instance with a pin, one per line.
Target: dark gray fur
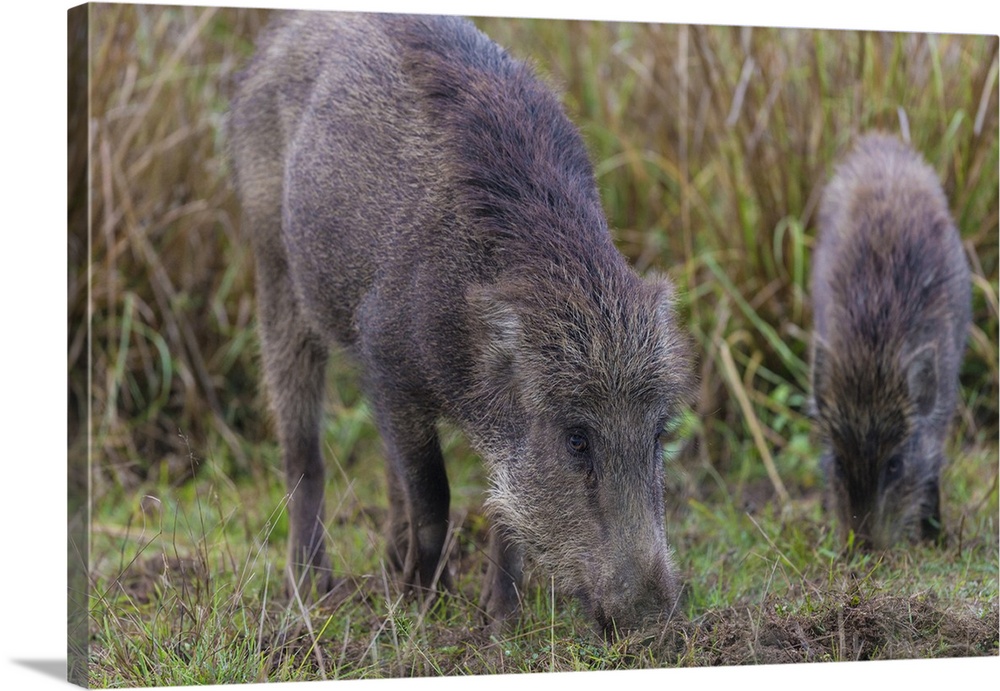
(891, 300)
(417, 196)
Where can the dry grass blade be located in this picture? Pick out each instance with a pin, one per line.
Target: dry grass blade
(152, 100)
(750, 417)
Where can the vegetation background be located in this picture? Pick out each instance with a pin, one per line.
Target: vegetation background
(711, 145)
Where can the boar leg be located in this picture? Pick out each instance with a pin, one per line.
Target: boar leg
(418, 501)
(500, 597)
(294, 368)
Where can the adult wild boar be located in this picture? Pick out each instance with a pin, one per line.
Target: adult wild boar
(891, 300)
(418, 197)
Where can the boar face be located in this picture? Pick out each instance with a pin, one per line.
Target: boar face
(882, 466)
(579, 481)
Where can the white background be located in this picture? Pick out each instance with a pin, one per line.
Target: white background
(33, 333)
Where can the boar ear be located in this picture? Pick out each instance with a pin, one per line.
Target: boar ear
(676, 349)
(498, 326)
(820, 362)
(666, 296)
(664, 300)
(921, 377)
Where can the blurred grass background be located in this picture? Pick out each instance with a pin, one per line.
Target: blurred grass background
(711, 145)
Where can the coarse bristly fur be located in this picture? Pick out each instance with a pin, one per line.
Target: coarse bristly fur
(417, 196)
(891, 298)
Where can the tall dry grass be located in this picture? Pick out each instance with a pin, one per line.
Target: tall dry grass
(172, 360)
(711, 145)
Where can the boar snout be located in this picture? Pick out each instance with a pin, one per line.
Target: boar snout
(641, 593)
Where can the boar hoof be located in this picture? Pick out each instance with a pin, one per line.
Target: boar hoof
(500, 602)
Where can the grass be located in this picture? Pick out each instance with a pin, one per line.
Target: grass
(189, 592)
(711, 145)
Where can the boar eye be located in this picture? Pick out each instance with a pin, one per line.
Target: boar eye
(577, 442)
(659, 441)
(893, 468)
(839, 471)
(662, 437)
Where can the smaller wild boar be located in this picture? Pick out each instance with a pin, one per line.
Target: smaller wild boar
(891, 303)
(418, 197)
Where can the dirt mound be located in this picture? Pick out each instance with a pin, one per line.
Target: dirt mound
(879, 627)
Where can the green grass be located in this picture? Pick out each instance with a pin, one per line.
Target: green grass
(710, 145)
(189, 590)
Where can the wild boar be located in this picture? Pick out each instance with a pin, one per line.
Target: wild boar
(891, 301)
(418, 197)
